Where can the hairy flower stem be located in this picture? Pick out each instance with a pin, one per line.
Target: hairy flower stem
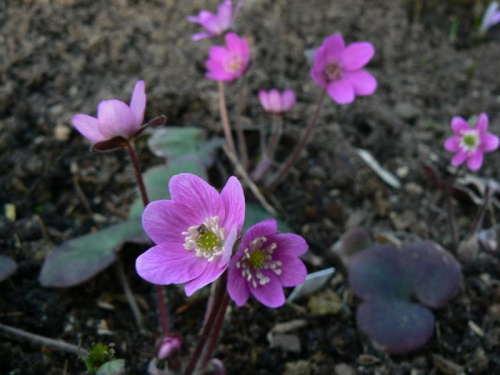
(268, 154)
(225, 120)
(242, 144)
(207, 327)
(145, 200)
(449, 209)
(285, 169)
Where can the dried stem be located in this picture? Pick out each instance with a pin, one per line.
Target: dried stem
(225, 120)
(481, 211)
(242, 144)
(42, 340)
(129, 295)
(285, 169)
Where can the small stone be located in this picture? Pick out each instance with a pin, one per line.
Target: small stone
(413, 188)
(298, 368)
(344, 369)
(325, 303)
(403, 171)
(62, 132)
(406, 111)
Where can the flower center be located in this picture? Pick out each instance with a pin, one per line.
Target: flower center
(470, 140)
(332, 72)
(256, 257)
(233, 63)
(206, 239)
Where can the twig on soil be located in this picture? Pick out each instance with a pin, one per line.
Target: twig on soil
(243, 173)
(56, 344)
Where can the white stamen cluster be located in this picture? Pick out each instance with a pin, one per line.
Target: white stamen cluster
(206, 239)
(256, 258)
(470, 140)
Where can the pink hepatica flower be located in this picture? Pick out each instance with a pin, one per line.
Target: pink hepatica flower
(230, 62)
(114, 118)
(194, 232)
(338, 69)
(266, 262)
(470, 142)
(216, 24)
(274, 102)
(490, 18)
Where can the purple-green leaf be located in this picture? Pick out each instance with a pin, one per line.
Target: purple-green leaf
(7, 267)
(351, 243)
(399, 326)
(78, 260)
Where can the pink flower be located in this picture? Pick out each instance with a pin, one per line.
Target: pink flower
(338, 69)
(194, 232)
(490, 18)
(114, 118)
(266, 262)
(470, 142)
(169, 346)
(216, 24)
(230, 63)
(277, 103)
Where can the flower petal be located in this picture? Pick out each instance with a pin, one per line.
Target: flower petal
(237, 287)
(459, 158)
(169, 263)
(228, 248)
(270, 294)
(341, 91)
(88, 127)
(264, 99)
(482, 123)
(116, 119)
(320, 59)
(357, 55)
(362, 82)
(195, 198)
(274, 101)
(288, 100)
(225, 14)
(210, 274)
(199, 36)
(475, 161)
(235, 44)
(452, 144)
(138, 102)
(335, 47)
(459, 125)
(489, 142)
(233, 199)
(293, 271)
(264, 228)
(164, 222)
(289, 244)
(318, 77)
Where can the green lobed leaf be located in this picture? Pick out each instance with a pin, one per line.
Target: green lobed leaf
(256, 213)
(7, 267)
(114, 367)
(78, 260)
(173, 142)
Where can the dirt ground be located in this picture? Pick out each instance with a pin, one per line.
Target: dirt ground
(61, 57)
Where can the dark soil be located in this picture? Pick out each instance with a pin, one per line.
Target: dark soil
(61, 57)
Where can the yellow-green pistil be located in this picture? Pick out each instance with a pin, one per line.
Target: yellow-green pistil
(470, 140)
(206, 239)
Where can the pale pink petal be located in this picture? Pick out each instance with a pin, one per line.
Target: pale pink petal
(270, 294)
(212, 25)
(264, 99)
(229, 242)
(459, 125)
(288, 100)
(459, 158)
(200, 36)
(195, 197)
(320, 58)
(138, 102)
(475, 161)
(341, 91)
(164, 222)
(293, 271)
(362, 82)
(233, 199)
(237, 287)
(482, 123)
(489, 142)
(357, 55)
(452, 144)
(335, 47)
(169, 263)
(116, 119)
(318, 77)
(289, 244)
(210, 274)
(221, 76)
(225, 14)
(88, 127)
(274, 101)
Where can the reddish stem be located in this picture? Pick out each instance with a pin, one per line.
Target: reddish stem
(225, 120)
(242, 144)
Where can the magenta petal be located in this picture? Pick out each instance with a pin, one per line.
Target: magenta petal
(459, 158)
(169, 263)
(218, 53)
(270, 294)
(164, 222)
(138, 102)
(289, 244)
(320, 58)
(293, 271)
(116, 119)
(475, 161)
(482, 123)
(274, 101)
(88, 127)
(452, 144)
(237, 287)
(288, 100)
(225, 15)
(264, 99)
(233, 199)
(195, 198)
(489, 142)
(459, 125)
(210, 274)
(341, 91)
(362, 82)
(221, 76)
(318, 77)
(357, 55)
(335, 47)
(235, 44)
